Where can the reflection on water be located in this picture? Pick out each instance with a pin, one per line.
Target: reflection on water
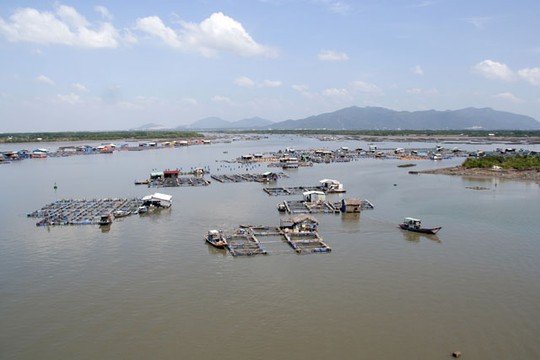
(155, 289)
(416, 237)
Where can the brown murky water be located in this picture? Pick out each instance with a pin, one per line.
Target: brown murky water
(151, 288)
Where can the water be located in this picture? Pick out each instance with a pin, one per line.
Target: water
(151, 288)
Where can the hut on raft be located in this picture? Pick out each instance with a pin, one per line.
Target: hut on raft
(300, 223)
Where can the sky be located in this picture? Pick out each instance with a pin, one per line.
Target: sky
(115, 65)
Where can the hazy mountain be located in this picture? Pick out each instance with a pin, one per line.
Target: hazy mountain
(149, 127)
(210, 123)
(376, 118)
(251, 123)
(216, 123)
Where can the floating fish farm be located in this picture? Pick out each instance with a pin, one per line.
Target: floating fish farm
(83, 212)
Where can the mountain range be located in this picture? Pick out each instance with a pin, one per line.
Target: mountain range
(378, 118)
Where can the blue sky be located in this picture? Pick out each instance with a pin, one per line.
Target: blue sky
(113, 65)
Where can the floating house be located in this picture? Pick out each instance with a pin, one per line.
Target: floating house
(351, 205)
(332, 186)
(157, 200)
(314, 196)
(171, 174)
(299, 223)
(289, 162)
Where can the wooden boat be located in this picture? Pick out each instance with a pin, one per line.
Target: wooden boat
(105, 220)
(215, 239)
(412, 224)
(121, 213)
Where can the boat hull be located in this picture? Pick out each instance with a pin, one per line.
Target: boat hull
(432, 231)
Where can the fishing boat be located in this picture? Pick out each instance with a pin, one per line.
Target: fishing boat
(121, 213)
(215, 239)
(412, 224)
(105, 220)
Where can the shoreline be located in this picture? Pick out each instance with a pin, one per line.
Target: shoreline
(509, 174)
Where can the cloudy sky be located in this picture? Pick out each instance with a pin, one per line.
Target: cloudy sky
(113, 64)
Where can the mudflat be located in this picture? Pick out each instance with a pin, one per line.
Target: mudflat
(511, 174)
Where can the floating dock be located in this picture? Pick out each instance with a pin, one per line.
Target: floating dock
(296, 190)
(179, 181)
(83, 212)
(306, 242)
(305, 207)
(243, 242)
(235, 178)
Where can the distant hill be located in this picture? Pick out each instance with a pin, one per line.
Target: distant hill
(149, 127)
(377, 118)
(216, 123)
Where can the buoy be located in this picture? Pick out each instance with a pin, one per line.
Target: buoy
(456, 354)
(55, 187)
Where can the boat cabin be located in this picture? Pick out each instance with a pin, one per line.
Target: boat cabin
(157, 200)
(412, 222)
(331, 186)
(268, 177)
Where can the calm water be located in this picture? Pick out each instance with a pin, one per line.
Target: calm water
(151, 288)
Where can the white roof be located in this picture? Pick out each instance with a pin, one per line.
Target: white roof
(313, 192)
(158, 196)
(161, 196)
(411, 219)
(323, 181)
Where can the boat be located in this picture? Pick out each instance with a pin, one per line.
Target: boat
(412, 224)
(105, 220)
(215, 239)
(142, 209)
(121, 213)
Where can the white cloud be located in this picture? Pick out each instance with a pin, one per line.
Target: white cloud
(69, 98)
(478, 21)
(271, 83)
(336, 93)
(65, 26)
(218, 33)
(331, 55)
(418, 91)
(509, 97)
(189, 101)
(339, 7)
(44, 79)
(244, 81)
(417, 69)
(154, 26)
(303, 90)
(532, 75)
(222, 99)
(79, 87)
(103, 11)
(493, 70)
(365, 87)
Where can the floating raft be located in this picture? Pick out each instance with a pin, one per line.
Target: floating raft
(305, 207)
(179, 181)
(306, 242)
(83, 212)
(242, 242)
(297, 190)
(234, 178)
